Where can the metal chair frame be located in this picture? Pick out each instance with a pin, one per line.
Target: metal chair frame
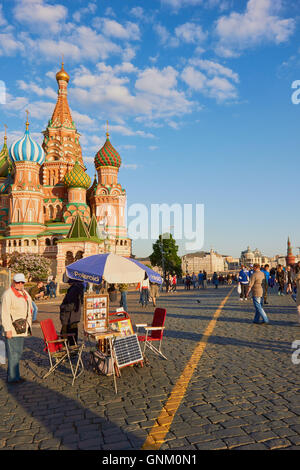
(64, 354)
(149, 343)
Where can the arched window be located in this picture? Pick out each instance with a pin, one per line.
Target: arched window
(48, 242)
(51, 212)
(9, 243)
(26, 242)
(33, 242)
(15, 242)
(54, 241)
(58, 212)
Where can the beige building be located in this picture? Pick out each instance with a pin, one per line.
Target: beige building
(203, 261)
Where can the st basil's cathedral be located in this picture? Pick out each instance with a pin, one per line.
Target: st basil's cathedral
(48, 205)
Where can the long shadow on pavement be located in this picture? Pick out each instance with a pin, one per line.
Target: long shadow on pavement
(64, 421)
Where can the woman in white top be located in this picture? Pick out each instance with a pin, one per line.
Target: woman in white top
(144, 291)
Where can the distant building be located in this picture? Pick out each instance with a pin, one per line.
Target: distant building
(203, 261)
(250, 257)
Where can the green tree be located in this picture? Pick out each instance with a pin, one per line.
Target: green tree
(33, 266)
(165, 255)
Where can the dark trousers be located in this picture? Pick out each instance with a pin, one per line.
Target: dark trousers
(244, 290)
(14, 351)
(71, 328)
(123, 301)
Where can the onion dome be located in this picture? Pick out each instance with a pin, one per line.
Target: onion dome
(26, 149)
(4, 184)
(77, 177)
(107, 155)
(5, 162)
(62, 74)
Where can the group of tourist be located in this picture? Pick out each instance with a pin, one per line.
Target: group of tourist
(259, 279)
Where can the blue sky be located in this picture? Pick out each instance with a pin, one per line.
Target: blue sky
(198, 98)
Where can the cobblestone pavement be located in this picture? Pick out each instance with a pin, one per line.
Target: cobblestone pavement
(244, 393)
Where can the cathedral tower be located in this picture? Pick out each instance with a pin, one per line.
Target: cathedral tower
(26, 216)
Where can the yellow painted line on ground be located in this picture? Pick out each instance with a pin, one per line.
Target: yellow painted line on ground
(162, 425)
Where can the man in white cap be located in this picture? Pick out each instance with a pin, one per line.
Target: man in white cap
(16, 305)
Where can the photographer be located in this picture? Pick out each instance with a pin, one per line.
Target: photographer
(16, 317)
(70, 310)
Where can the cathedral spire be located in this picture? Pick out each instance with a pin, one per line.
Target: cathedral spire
(290, 258)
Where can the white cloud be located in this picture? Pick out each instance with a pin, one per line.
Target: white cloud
(190, 33)
(40, 15)
(214, 68)
(3, 21)
(111, 28)
(258, 23)
(138, 12)
(9, 45)
(34, 88)
(91, 8)
(157, 82)
(83, 43)
(82, 119)
(177, 4)
(211, 79)
(109, 12)
(153, 147)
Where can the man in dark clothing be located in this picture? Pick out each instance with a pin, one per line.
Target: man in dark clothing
(70, 310)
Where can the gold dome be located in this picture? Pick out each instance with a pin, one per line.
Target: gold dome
(62, 74)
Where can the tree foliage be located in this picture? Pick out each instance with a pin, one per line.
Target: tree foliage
(33, 266)
(165, 255)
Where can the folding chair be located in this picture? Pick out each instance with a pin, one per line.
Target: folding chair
(58, 349)
(156, 331)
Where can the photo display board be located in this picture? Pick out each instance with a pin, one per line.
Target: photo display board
(127, 350)
(96, 312)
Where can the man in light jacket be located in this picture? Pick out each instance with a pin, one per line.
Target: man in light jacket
(16, 304)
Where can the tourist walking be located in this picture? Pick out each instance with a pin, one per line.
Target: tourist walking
(154, 292)
(174, 283)
(266, 271)
(200, 280)
(215, 280)
(297, 281)
(256, 285)
(188, 282)
(289, 280)
(16, 317)
(52, 288)
(194, 280)
(70, 310)
(280, 278)
(123, 288)
(204, 279)
(272, 278)
(144, 291)
(243, 280)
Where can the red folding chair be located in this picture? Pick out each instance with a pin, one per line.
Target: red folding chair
(58, 349)
(156, 331)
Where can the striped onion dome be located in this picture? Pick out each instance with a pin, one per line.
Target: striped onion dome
(4, 184)
(5, 162)
(77, 177)
(107, 155)
(27, 150)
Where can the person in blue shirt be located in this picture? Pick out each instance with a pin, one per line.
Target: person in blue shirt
(243, 280)
(266, 271)
(200, 280)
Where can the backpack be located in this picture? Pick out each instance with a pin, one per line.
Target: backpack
(101, 363)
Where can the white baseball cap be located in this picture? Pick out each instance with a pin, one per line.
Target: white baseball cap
(19, 277)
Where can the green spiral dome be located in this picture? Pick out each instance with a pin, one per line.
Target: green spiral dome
(77, 178)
